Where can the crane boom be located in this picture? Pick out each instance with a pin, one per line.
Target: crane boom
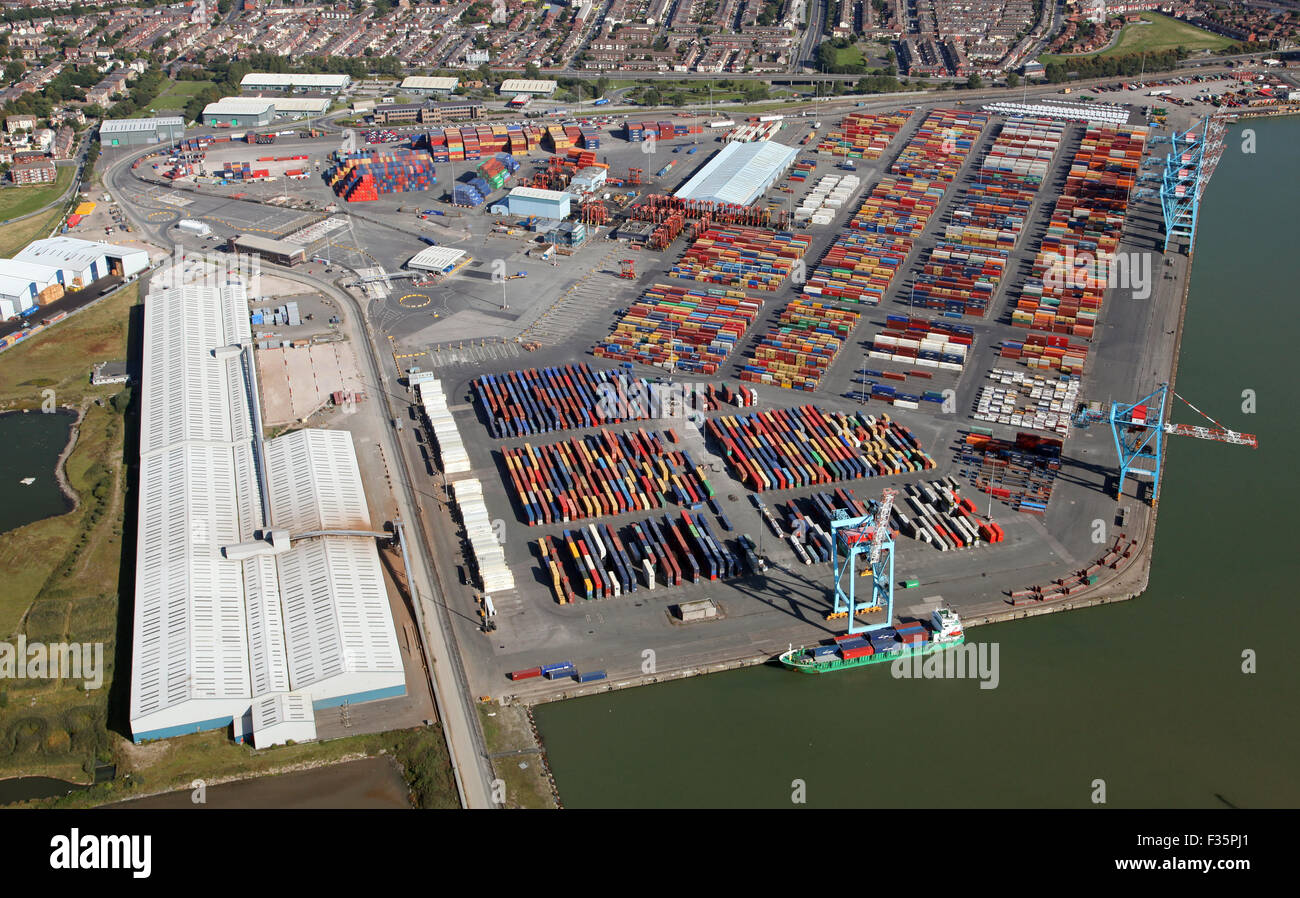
(1218, 434)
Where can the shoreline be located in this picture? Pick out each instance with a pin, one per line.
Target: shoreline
(70, 496)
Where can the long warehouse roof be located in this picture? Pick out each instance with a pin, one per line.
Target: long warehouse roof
(223, 619)
(239, 106)
(421, 82)
(278, 79)
(527, 86)
(739, 173)
(132, 125)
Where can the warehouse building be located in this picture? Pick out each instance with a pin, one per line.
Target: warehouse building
(740, 173)
(512, 86)
(40, 284)
(298, 107)
(84, 261)
(325, 84)
(441, 259)
(16, 296)
(139, 132)
(535, 201)
(417, 84)
(589, 179)
(281, 252)
(236, 112)
(235, 623)
(81, 261)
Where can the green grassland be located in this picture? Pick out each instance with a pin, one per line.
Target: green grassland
(174, 97)
(1163, 33)
(16, 201)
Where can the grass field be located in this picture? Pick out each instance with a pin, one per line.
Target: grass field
(61, 573)
(16, 201)
(174, 97)
(17, 234)
(506, 729)
(61, 357)
(1162, 34)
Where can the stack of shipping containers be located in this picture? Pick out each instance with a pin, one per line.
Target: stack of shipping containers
(742, 257)
(1073, 266)
(864, 135)
(364, 174)
(785, 449)
(678, 327)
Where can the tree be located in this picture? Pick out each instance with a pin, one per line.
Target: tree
(1013, 80)
(974, 82)
(532, 72)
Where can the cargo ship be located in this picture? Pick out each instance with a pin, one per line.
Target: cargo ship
(879, 646)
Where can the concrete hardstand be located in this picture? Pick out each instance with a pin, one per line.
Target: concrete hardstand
(763, 615)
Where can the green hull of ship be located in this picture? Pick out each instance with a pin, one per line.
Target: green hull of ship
(836, 663)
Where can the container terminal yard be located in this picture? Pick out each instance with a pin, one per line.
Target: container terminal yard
(620, 441)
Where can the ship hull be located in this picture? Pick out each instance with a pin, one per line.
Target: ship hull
(792, 660)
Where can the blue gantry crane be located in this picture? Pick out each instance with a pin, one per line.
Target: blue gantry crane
(1191, 160)
(851, 537)
(1139, 430)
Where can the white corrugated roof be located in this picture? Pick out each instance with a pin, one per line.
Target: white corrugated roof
(63, 252)
(739, 173)
(239, 106)
(537, 193)
(213, 633)
(73, 252)
(131, 125)
(527, 86)
(282, 80)
(43, 275)
(436, 258)
(300, 104)
(420, 82)
(315, 483)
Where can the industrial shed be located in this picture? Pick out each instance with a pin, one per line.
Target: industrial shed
(527, 86)
(249, 112)
(300, 106)
(17, 295)
(740, 173)
(442, 259)
(138, 132)
(281, 252)
(228, 612)
(81, 261)
(419, 84)
(330, 84)
(84, 261)
(535, 201)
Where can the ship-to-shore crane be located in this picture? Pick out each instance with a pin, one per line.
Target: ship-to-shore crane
(1139, 429)
(851, 537)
